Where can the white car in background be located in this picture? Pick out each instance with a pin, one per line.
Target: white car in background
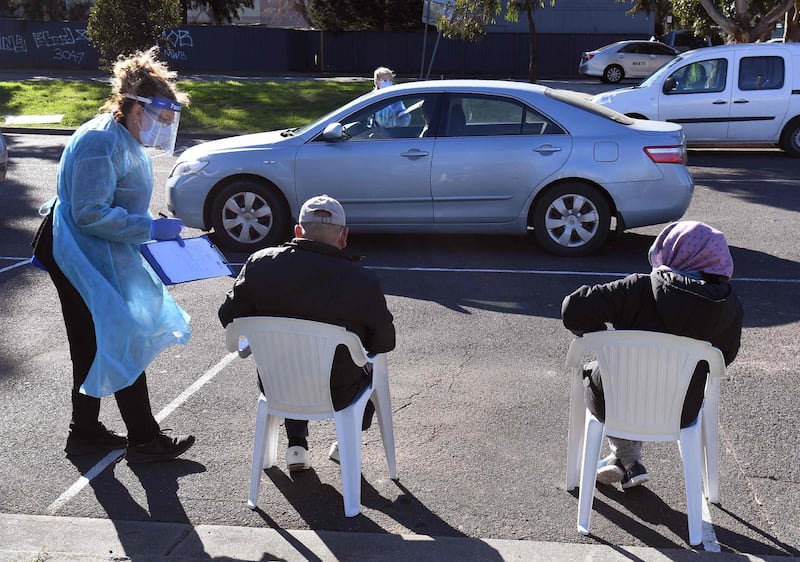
(625, 59)
(746, 93)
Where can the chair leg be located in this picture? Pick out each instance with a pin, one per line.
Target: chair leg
(348, 434)
(271, 444)
(575, 436)
(382, 400)
(691, 448)
(592, 442)
(710, 425)
(259, 443)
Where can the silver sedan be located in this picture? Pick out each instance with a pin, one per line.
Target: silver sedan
(450, 156)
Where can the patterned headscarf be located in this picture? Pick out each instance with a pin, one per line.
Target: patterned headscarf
(692, 247)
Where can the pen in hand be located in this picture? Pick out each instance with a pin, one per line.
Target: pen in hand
(178, 238)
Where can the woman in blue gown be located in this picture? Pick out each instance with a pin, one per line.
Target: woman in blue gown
(118, 314)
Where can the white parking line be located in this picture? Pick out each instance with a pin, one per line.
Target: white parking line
(555, 272)
(23, 261)
(111, 457)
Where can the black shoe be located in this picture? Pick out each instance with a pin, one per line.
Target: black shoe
(162, 448)
(635, 475)
(96, 439)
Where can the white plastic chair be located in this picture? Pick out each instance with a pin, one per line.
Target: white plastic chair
(294, 359)
(645, 377)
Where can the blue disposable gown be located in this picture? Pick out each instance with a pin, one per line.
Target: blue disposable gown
(102, 216)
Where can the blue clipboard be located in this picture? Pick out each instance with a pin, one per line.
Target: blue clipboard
(198, 259)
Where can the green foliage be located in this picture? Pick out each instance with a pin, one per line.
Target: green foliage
(365, 15)
(743, 21)
(222, 11)
(121, 27)
(469, 19)
(45, 10)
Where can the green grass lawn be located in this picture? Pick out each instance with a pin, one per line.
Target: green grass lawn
(228, 107)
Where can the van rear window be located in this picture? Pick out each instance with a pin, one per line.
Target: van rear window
(761, 73)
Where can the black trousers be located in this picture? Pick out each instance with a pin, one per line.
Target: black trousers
(133, 401)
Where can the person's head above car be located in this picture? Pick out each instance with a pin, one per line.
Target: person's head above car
(383, 77)
(322, 219)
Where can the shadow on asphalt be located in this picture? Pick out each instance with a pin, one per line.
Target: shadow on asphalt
(160, 484)
(321, 506)
(647, 506)
(540, 294)
(724, 536)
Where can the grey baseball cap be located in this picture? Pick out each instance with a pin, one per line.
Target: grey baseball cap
(324, 209)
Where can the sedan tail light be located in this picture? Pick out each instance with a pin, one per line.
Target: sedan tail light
(667, 154)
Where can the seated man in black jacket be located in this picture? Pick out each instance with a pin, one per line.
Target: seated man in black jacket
(687, 293)
(311, 278)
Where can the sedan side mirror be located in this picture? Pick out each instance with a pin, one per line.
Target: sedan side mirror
(669, 85)
(333, 132)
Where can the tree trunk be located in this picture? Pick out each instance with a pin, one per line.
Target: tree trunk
(52, 10)
(532, 45)
(791, 25)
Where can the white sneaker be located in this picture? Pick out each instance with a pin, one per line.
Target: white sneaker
(297, 459)
(610, 470)
(333, 452)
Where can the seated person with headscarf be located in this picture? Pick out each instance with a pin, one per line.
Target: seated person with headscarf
(687, 293)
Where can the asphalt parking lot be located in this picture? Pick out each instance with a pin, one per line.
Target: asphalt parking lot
(477, 381)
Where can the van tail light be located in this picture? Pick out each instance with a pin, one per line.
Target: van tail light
(667, 154)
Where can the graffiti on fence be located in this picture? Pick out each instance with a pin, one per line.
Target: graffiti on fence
(67, 44)
(178, 40)
(67, 36)
(13, 44)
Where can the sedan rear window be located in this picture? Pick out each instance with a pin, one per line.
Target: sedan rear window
(583, 101)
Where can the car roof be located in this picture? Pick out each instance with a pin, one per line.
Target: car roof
(629, 42)
(733, 47)
(471, 85)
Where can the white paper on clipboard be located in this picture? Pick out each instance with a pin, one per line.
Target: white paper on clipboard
(198, 259)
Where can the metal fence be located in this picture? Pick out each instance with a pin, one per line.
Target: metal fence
(260, 50)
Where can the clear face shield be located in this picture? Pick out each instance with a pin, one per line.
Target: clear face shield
(159, 124)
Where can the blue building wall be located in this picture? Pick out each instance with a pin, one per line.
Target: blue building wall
(583, 17)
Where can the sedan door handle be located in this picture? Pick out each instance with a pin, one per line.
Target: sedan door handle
(414, 153)
(719, 102)
(547, 149)
(741, 101)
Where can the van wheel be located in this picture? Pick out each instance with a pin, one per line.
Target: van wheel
(790, 139)
(571, 219)
(613, 74)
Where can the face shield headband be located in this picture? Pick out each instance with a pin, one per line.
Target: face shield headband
(159, 123)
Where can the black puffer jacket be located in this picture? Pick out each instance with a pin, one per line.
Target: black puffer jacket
(663, 301)
(316, 281)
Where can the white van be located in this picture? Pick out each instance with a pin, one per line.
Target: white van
(747, 93)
